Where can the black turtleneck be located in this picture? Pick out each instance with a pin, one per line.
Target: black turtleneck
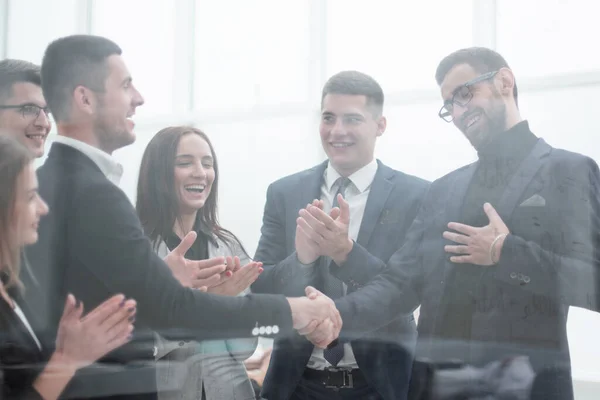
(498, 162)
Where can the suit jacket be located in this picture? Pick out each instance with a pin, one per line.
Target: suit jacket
(21, 361)
(92, 245)
(384, 356)
(548, 262)
(218, 365)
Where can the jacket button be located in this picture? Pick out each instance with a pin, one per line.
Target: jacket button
(181, 343)
(262, 330)
(275, 329)
(526, 279)
(269, 330)
(255, 332)
(513, 275)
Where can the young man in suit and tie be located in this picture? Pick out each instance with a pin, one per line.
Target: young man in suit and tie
(500, 249)
(23, 111)
(377, 206)
(92, 244)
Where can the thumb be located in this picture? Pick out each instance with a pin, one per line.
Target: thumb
(185, 244)
(311, 292)
(492, 214)
(334, 213)
(344, 210)
(69, 306)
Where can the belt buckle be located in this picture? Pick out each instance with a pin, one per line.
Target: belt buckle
(346, 381)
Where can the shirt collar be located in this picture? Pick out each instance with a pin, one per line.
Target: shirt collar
(361, 179)
(107, 164)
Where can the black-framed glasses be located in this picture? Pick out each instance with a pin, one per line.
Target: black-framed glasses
(28, 110)
(462, 96)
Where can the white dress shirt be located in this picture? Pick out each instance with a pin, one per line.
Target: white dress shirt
(107, 164)
(356, 195)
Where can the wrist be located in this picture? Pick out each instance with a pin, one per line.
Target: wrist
(60, 363)
(341, 257)
(496, 248)
(307, 261)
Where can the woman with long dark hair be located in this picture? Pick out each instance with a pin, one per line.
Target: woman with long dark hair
(178, 193)
(28, 370)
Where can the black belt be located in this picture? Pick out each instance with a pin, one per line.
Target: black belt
(336, 378)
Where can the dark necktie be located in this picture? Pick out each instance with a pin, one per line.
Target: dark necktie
(334, 288)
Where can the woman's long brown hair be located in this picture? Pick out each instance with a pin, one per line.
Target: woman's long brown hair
(157, 203)
(14, 158)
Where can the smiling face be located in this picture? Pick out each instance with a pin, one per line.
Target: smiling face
(29, 207)
(483, 116)
(348, 131)
(29, 124)
(194, 172)
(116, 105)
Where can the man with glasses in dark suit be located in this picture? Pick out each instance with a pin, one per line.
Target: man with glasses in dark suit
(498, 252)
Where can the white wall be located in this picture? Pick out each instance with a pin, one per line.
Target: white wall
(249, 73)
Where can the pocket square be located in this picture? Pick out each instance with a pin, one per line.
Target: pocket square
(534, 201)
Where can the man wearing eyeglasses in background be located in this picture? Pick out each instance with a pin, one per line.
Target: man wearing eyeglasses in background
(23, 111)
(498, 252)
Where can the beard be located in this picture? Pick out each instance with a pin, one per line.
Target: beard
(109, 135)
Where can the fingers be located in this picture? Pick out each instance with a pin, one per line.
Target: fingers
(456, 249)
(334, 213)
(210, 281)
(207, 272)
(311, 292)
(344, 210)
(308, 231)
(118, 321)
(323, 335)
(456, 237)
(462, 228)
(185, 244)
(312, 325)
(211, 262)
(104, 310)
(320, 218)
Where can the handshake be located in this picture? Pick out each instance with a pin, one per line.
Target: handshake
(316, 317)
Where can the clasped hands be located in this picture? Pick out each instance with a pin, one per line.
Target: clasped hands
(319, 234)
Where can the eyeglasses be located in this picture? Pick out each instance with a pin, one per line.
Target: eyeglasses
(462, 96)
(28, 111)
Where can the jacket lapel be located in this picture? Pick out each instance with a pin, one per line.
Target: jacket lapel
(380, 190)
(521, 179)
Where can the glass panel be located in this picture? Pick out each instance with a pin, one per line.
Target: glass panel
(50, 20)
(399, 43)
(253, 154)
(251, 53)
(148, 46)
(558, 37)
(419, 143)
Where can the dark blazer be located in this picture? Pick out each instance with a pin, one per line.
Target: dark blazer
(92, 245)
(548, 262)
(384, 356)
(21, 360)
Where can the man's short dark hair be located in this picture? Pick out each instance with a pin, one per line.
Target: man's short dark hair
(71, 61)
(481, 59)
(356, 83)
(17, 71)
